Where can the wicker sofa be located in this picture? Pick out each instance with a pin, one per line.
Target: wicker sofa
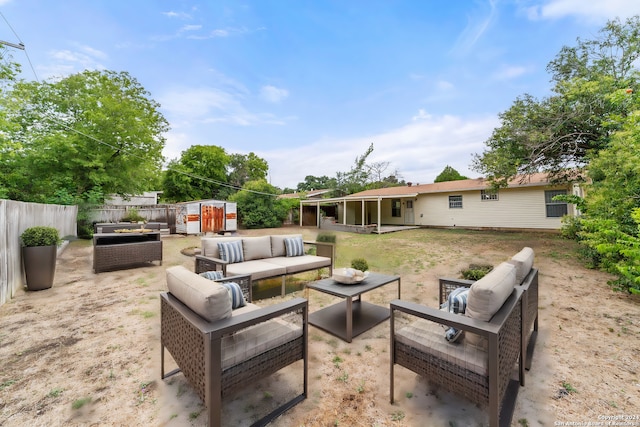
(479, 366)
(264, 257)
(220, 349)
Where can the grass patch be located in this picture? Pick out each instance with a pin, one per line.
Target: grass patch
(56, 392)
(8, 383)
(79, 403)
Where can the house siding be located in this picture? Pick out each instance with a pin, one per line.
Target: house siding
(515, 208)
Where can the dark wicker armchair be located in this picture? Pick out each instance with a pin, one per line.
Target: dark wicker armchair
(530, 287)
(198, 348)
(482, 375)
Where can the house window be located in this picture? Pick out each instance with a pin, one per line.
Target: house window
(395, 207)
(555, 208)
(455, 202)
(488, 195)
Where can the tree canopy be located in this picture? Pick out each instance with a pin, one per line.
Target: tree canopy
(591, 125)
(209, 172)
(449, 174)
(80, 138)
(566, 129)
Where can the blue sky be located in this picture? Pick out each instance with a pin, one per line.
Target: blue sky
(308, 85)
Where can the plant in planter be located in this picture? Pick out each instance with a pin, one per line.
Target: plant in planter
(360, 264)
(39, 252)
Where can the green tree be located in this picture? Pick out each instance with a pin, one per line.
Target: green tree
(84, 136)
(609, 226)
(357, 178)
(258, 206)
(200, 173)
(316, 183)
(449, 174)
(243, 168)
(564, 130)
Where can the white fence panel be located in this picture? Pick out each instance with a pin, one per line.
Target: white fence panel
(15, 217)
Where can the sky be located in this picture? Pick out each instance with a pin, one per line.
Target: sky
(308, 85)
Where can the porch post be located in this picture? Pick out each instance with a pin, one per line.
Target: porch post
(362, 203)
(300, 219)
(318, 213)
(344, 210)
(379, 217)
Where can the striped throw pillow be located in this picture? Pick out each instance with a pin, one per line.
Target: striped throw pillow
(294, 246)
(213, 275)
(231, 251)
(456, 303)
(235, 294)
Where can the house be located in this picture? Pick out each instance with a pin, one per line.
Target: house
(525, 204)
(147, 198)
(310, 213)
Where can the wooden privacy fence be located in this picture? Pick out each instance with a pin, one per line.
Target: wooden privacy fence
(15, 217)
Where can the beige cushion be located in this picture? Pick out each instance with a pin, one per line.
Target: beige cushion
(210, 245)
(205, 297)
(428, 338)
(487, 295)
(255, 340)
(256, 247)
(277, 244)
(301, 263)
(258, 269)
(523, 261)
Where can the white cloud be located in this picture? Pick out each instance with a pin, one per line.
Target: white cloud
(180, 15)
(422, 115)
(190, 28)
(419, 150)
(476, 27)
(273, 94)
(192, 106)
(508, 72)
(593, 10)
(65, 62)
(444, 85)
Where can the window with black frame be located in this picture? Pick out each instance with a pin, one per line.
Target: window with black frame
(395, 208)
(455, 202)
(555, 208)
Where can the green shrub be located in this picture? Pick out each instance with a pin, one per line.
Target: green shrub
(40, 236)
(359, 264)
(476, 271)
(326, 237)
(571, 227)
(132, 216)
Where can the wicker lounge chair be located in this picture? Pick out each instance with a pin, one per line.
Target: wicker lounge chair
(209, 355)
(480, 372)
(527, 279)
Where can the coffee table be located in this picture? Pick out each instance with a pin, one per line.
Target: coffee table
(350, 318)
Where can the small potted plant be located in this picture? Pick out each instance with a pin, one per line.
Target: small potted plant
(360, 264)
(39, 252)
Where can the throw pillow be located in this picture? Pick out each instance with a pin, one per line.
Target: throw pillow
(456, 303)
(213, 275)
(235, 295)
(294, 246)
(231, 252)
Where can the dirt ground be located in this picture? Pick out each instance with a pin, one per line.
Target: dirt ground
(86, 352)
